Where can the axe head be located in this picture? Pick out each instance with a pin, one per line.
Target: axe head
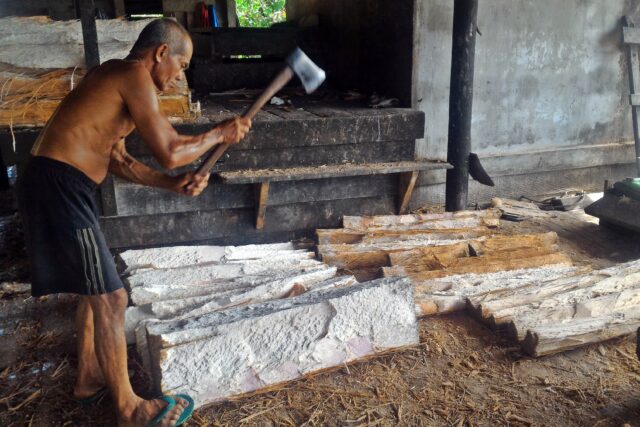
(310, 74)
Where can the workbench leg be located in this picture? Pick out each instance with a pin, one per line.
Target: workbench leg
(262, 196)
(407, 184)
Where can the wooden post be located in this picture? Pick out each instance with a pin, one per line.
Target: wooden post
(89, 33)
(262, 195)
(465, 14)
(119, 9)
(407, 181)
(630, 39)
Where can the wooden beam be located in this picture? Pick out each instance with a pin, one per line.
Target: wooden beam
(633, 56)
(89, 33)
(118, 8)
(407, 184)
(108, 197)
(262, 196)
(329, 171)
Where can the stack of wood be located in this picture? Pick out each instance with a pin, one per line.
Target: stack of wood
(564, 312)
(30, 96)
(217, 322)
(428, 247)
(42, 60)
(520, 283)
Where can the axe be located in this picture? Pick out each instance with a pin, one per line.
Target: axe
(299, 64)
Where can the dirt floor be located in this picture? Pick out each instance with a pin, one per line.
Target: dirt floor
(462, 373)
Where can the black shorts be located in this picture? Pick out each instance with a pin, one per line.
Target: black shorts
(67, 251)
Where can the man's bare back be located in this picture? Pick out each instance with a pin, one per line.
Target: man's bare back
(90, 121)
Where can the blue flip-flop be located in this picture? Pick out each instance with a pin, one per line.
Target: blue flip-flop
(171, 403)
(188, 411)
(158, 418)
(95, 397)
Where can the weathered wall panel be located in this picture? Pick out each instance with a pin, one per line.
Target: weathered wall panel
(548, 75)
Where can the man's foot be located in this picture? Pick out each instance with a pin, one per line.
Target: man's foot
(147, 410)
(87, 387)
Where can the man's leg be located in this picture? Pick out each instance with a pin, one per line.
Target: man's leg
(90, 379)
(111, 351)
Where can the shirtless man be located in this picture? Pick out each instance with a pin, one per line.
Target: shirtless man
(81, 143)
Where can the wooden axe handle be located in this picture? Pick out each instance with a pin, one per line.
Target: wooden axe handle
(278, 83)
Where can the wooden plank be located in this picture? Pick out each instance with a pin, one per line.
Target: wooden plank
(634, 100)
(235, 225)
(461, 219)
(526, 258)
(288, 112)
(134, 199)
(377, 258)
(407, 181)
(405, 125)
(323, 110)
(633, 61)
(328, 171)
(555, 338)
(261, 203)
(373, 152)
(344, 236)
(108, 202)
(118, 8)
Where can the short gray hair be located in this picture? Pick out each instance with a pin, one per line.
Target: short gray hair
(160, 31)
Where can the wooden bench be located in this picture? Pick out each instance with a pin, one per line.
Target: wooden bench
(408, 174)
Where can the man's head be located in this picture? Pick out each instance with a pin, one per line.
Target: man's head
(167, 46)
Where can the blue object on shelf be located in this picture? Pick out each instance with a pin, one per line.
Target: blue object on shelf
(213, 16)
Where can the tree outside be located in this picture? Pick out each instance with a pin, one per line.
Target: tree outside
(260, 13)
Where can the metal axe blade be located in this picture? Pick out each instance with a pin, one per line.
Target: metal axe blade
(310, 74)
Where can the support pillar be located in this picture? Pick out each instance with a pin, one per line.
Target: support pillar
(465, 14)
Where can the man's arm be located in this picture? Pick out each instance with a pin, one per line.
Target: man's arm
(171, 149)
(123, 165)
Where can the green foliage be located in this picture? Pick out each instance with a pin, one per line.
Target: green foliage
(260, 13)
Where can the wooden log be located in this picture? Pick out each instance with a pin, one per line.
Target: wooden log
(407, 181)
(377, 258)
(364, 223)
(571, 303)
(479, 265)
(197, 306)
(564, 309)
(452, 293)
(346, 236)
(555, 338)
(601, 280)
(496, 248)
(262, 196)
(267, 288)
(242, 349)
